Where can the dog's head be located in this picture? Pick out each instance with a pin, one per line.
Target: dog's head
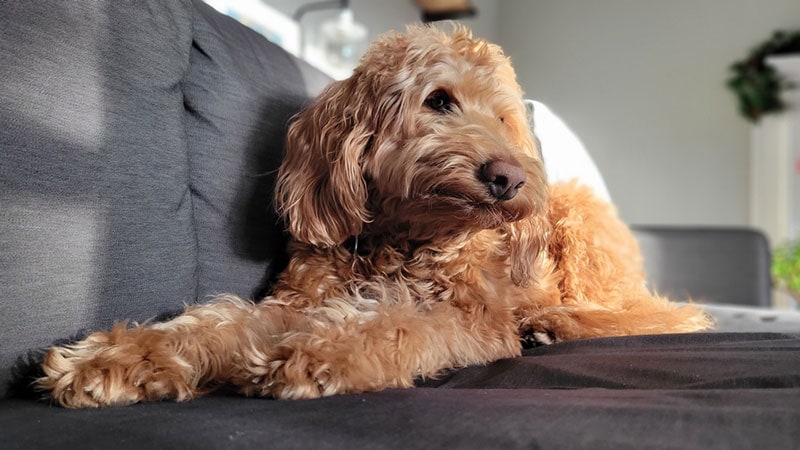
(427, 138)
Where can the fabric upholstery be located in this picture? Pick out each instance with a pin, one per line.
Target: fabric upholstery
(95, 214)
(139, 142)
(239, 97)
(707, 264)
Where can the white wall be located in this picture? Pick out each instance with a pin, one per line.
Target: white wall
(642, 82)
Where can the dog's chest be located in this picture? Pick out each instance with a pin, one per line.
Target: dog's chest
(465, 275)
(471, 274)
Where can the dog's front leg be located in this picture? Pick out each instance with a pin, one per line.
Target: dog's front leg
(385, 348)
(177, 359)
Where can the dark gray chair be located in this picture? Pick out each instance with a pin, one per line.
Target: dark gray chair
(707, 264)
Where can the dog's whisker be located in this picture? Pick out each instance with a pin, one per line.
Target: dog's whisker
(264, 174)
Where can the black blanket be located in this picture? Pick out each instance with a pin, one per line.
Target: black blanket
(707, 390)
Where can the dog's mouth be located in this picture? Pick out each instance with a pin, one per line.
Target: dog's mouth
(456, 196)
(479, 207)
(448, 209)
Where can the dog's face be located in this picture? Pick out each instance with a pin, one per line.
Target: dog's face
(427, 138)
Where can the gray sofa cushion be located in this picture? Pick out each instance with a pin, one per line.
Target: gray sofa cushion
(239, 96)
(135, 137)
(727, 265)
(95, 217)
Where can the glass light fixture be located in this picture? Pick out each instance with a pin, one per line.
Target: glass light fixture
(343, 39)
(336, 44)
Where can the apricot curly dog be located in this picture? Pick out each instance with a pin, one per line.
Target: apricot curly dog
(425, 237)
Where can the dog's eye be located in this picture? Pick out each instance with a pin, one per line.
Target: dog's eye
(502, 119)
(439, 100)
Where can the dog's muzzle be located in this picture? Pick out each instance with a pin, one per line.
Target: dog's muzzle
(504, 178)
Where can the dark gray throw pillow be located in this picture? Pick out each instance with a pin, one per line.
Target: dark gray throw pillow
(240, 94)
(95, 213)
(131, 183)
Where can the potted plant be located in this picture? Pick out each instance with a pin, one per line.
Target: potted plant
(755, 83)
(786, 268)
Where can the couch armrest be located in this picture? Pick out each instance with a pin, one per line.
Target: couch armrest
(707, 264)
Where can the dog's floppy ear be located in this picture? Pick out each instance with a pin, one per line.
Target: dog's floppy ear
(321, 191)
(527, 238)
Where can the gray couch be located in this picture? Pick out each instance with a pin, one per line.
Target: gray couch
(139, 143)
(138, 148)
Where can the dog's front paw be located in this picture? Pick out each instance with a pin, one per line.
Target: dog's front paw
(300, 374)
(119, 367)
(531, 338)
(315, 367)
(292, 371)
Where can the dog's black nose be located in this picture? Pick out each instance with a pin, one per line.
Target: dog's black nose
(504, 178)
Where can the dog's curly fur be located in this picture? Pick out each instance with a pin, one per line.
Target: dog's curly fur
(403, 261)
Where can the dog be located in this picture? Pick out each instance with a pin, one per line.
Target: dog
(425, 237)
